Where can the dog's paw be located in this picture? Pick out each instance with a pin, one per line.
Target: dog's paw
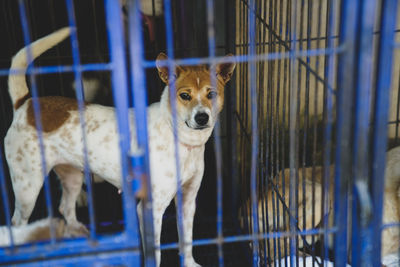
(76, 230)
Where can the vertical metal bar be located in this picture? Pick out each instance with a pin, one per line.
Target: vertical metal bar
(231, 92)
(217, 129)
(328, 121)
(81, 108)
(361, 230)
(170, 53)
(315, 132)
(293, 148)
(286, 96)
(138, 86)
(307, 121)
(299, 101)
(279, 125)
(254, 129)
(119, 80)
(345, 97)
(379, 134)
(269, 132)
(38, 119)
(6, 202)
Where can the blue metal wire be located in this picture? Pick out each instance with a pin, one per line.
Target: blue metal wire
(328, 121)
(293, 149)
(6, 202)
(119, 80)
(251, 237)
(217, 130)
(254, 129)
(362, 205)
(38, 119)
(81, 108)
(248, 58)
(345, 83)
(172, 99)
(57, 69)
(379, 134)
(138, 86)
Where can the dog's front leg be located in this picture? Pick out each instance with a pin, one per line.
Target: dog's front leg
(189, 193)
(161, 200)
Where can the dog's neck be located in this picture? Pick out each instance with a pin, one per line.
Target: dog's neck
(190, 138)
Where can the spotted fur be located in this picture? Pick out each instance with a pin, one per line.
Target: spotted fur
(63, 144)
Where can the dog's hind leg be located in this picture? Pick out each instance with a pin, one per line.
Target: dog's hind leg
(71, 180)
(26, 191)
(189, 191)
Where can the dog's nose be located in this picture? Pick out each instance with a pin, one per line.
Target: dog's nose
(201, 118)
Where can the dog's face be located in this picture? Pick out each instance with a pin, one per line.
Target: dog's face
(197, 101)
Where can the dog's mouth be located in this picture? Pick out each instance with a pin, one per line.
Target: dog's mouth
(197, 127)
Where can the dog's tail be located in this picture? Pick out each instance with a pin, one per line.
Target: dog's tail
(17, 86)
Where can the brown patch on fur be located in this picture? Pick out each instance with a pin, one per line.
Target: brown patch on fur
(54, 111)
(21, 101)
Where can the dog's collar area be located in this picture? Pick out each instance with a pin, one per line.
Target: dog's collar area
(190, 147)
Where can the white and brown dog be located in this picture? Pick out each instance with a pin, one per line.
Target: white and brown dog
(62, 137)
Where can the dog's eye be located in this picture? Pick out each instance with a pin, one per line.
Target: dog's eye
(185, 96)
(212, 95)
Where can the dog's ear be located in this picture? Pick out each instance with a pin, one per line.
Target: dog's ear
(225, 70)
(163, 69)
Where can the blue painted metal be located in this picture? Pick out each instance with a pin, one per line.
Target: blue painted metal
(362, 253)
(57, 69)
(172, 99)
(328, 121)
(250, 58)
(345, 84)
(5, 200)
(126, 258)
(217, 129)
(120, 80)
(254, 129)
(293, 127)
(81, 107)
(138, 86)
(382, 93)
(38, 121)
(182, 62)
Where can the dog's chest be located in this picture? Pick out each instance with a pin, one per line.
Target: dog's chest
(162, 159)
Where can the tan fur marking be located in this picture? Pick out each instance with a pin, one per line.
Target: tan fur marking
(54, 112)
(43, 233)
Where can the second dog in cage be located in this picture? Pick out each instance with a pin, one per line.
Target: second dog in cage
(63, 140)
(310, 195)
